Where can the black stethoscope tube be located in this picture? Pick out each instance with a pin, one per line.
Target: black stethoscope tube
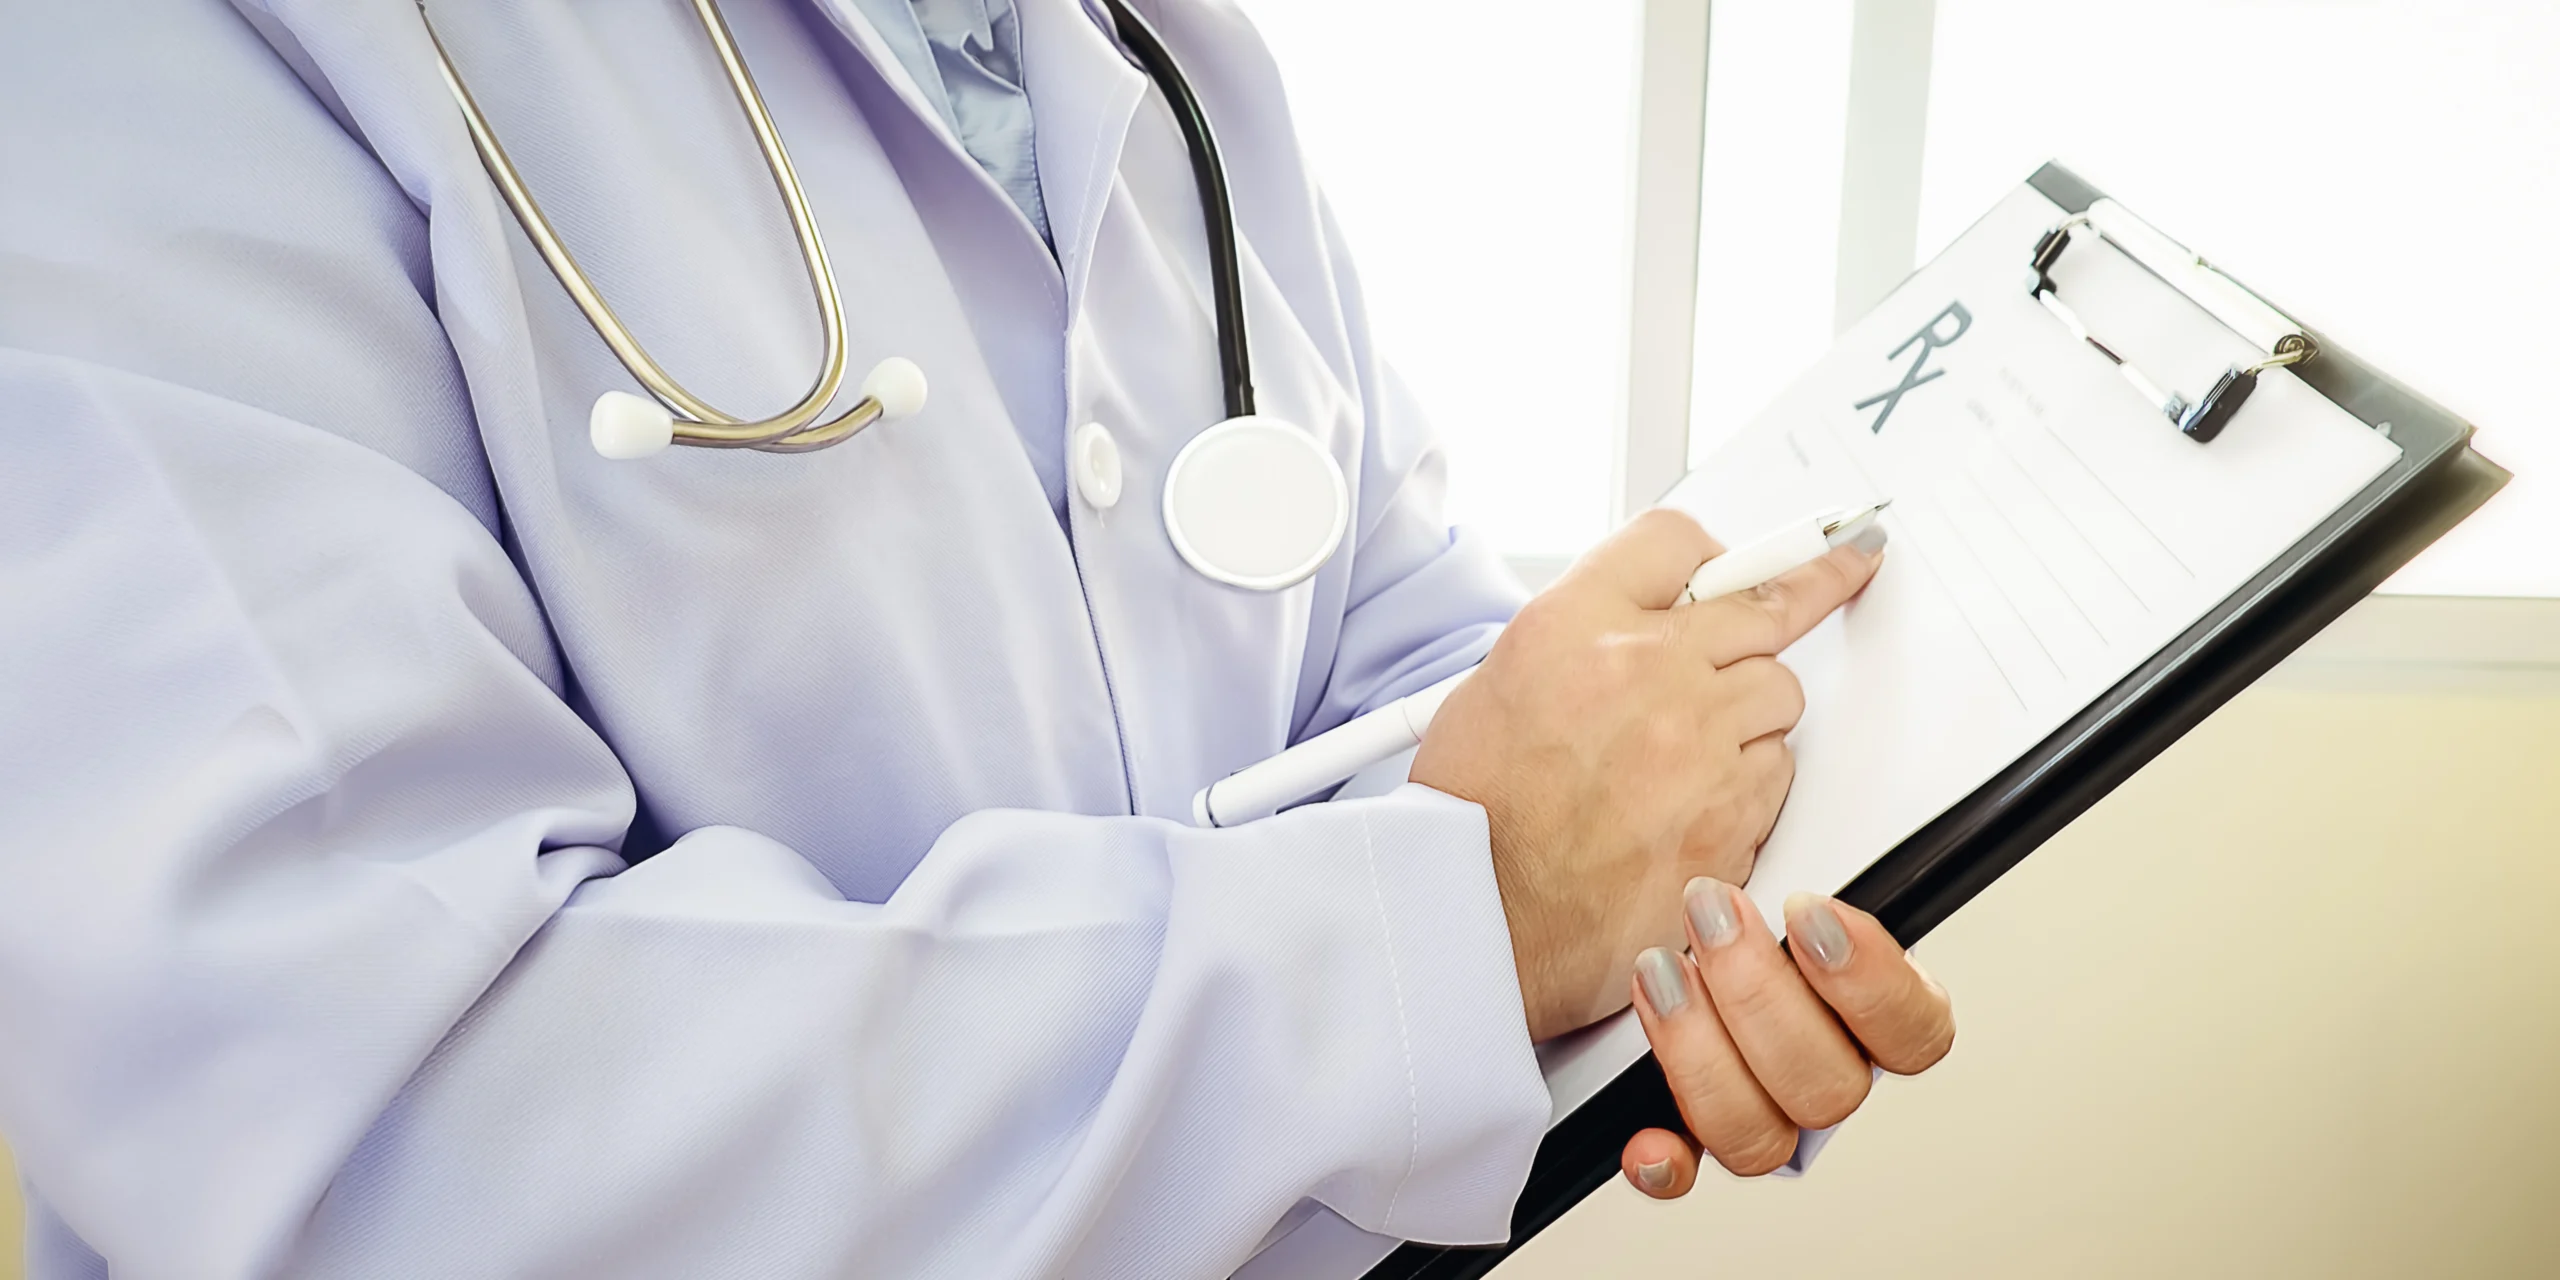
(1217, 214)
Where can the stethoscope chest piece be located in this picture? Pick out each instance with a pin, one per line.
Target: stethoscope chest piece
(1256, 503)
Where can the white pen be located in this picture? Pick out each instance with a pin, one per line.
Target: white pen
(1261, 789)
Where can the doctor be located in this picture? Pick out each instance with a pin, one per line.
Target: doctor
(428, 846)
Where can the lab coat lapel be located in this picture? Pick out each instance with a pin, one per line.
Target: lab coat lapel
(867, 40)
(921, 101)
(1083, 93)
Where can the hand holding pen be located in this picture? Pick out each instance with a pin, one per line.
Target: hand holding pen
(1628, 748)
(1329, 758)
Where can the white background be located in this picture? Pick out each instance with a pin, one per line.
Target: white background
(1769, 205)
(2387, 170)
(1477, 157)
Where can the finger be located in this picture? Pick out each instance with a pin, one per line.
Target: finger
(1660, 1164)
(1649, 559)
(1795, 1048)
(1899, 1013)
(1766, 619)
(1771, 769)
(1765, 698)
(1724, 840)
(1725, 1107)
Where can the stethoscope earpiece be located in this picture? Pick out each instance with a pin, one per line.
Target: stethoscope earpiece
(622, 426)
(897, 383)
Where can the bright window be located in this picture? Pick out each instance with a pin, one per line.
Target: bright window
(2387, 170)
(1768, 205)
(2383, 168)
(1477, 158)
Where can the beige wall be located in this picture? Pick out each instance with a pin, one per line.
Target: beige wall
(2288, 1004)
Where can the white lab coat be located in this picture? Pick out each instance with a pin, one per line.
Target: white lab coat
(335, 667)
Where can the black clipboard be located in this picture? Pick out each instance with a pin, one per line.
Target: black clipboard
(2438, 481)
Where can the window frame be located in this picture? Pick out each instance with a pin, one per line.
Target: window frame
(1891, 57)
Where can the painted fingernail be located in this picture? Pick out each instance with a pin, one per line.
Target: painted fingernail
(1816, 930)
(1711, 916)
(1655, 1176)
(1666, 988)
(1870, 540)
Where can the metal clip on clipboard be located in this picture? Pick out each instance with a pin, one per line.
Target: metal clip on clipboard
(2239, 310)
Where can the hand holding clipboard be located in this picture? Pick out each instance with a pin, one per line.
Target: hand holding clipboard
(2077, 581)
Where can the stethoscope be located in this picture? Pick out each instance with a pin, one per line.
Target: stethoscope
(1252, 501)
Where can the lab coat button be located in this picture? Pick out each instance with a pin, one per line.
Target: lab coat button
(1097, 465)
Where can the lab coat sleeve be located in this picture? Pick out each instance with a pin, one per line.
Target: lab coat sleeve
(313, 951)
(316, 957)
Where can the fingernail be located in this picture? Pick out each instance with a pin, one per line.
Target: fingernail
(1925, 979)
(1711, 914)
(1816, 930)
(1655, 1176)
(1870, 540)
(1666, 988)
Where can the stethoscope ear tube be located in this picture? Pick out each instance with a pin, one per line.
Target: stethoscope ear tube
(623, 425)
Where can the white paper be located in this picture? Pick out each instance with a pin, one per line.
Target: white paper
(2051, 531)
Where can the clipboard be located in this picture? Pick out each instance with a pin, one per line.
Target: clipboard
(2437, 482)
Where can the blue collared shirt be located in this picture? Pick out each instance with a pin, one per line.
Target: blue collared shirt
(967, 57)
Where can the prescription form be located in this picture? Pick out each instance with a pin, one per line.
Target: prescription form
(2051, 531)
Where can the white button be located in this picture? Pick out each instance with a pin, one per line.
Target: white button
(1096, 459)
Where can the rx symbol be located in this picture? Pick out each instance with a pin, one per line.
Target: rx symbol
(1928, 339)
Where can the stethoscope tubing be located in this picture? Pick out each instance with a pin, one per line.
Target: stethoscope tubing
(700, 422)
(1217, 211)
(697, 422)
